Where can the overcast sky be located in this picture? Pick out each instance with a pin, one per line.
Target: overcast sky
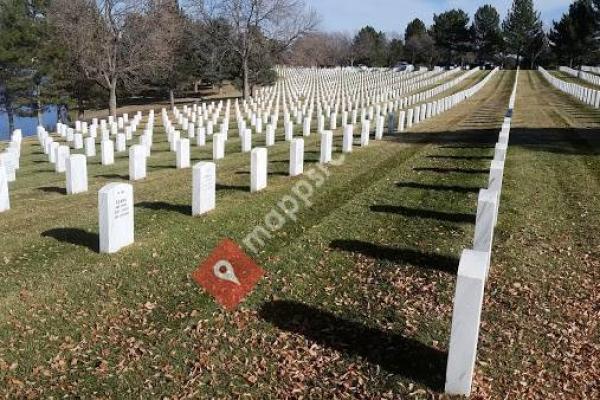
(393, 15)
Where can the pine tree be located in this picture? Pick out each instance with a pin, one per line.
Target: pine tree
(522, 28)
(487, 35)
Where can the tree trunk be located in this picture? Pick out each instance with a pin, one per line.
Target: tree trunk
(172, 98)
(80, 109)
(40, 113)
(112, 104)
(11, 119)
(246, 83)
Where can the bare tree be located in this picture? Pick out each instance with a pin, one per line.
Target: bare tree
(111, 41)
(281, 22)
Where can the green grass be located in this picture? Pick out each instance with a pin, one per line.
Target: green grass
(357, 299)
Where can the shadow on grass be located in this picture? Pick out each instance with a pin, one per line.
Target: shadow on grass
(449, 188)
(113, 176)
(467, 158)
(163, 206)
(75, 236)
(452, 170)
(403, 256)
(392, 352)
(274, 173)
(240, 188)
(53, 189)
(420, 213)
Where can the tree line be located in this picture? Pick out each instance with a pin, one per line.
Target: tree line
(91, 53)
(85, 54)
(455, 39)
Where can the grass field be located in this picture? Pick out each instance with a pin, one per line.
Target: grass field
(357, 299)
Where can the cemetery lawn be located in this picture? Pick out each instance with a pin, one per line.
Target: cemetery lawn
(357, 299)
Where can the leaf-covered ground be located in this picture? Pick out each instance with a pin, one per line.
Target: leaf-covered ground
(357, 299)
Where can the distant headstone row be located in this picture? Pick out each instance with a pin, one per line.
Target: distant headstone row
(473, 271)
(584, 94)
(590, 78)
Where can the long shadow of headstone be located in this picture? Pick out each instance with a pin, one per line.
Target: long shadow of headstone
(75, 236)
(394, 353)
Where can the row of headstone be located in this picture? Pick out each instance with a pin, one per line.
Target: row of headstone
(9, 164)
(412, 116)
(584, 94)
(588, 68)
(473, 271)
(581, 74)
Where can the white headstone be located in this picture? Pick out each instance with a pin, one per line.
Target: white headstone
(348, 138)
(468, 300)
(183, 153)
(296, 157)
(121, 145)
(258, 169)
(246, 140)
(62, 153)
(107, 148)
(203, 187)
(364, 134)
(90, 147)
(76, 174)
(137, 162)
(115, 216)
(4, 197)
(218, 146)
(270, 136)
(326, 147)
(78, 141)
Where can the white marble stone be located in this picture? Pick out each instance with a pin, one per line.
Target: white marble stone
(78, 141)
(500, 152)
(107, 148)
(247, 140)
(76, 174)
(364, 134)
(306, 127)
(115, 216)
(326, 147)
(270, 136)
(121, 143)
(258, 169)
(203, 187)
(289, 131)
(62, 153)
(218, 146)
(201, 136)
(9, 167)
(183, 154)
(348, 139)
(379, 127)
(4, 194)
(485, 222)
(296, 157)
(466, 314)
(53, 152)
(90, 146)
(137, 162)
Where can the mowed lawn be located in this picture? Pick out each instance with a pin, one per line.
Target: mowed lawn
(357, 299)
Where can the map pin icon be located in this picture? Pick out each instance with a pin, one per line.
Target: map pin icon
(224, 270)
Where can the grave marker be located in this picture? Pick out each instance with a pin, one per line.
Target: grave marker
(203, 187)
(115, 216)
(258, 169)
(76, 174)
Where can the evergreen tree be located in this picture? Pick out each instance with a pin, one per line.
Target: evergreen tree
(522, 28)
(21, 77)
(414, 28)
(574, 37)
(370, 47)
(451, 33)
(487, 35)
